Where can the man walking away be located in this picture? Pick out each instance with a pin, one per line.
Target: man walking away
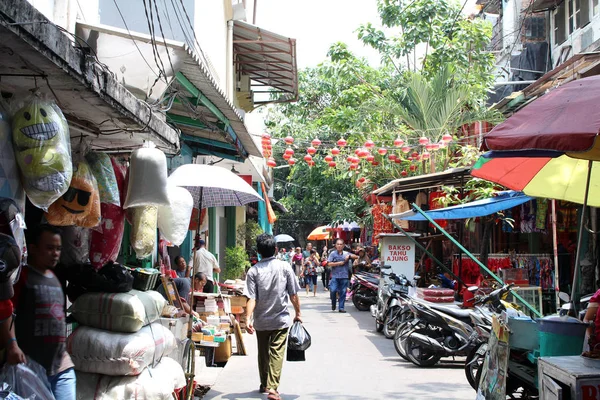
(269, 284)
(40, 325)
(205, 262)
(339, 261)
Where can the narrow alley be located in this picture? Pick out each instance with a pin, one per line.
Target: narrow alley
(347, 360)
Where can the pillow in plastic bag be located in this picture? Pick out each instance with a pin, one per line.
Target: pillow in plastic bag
(143, 230)
(75, 245)
(147, 179)
(106, 242)
(174, 220)
(80, 205)
(42, 147)
(28, 381)
(103, 171)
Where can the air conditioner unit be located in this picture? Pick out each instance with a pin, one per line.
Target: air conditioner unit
(244, 83)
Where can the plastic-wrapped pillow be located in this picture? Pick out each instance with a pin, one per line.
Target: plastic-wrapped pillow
(143, 230)
(42, 146)
(147, 179)
(80, 205)
(174, 220)
(102, 169)
(75, 245)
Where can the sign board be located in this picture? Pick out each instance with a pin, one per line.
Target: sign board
(398, 251)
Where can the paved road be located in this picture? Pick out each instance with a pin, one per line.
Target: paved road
(347, 360)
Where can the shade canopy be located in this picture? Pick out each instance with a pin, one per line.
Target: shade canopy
(283, 238)
(219, 186)
(479, 208)
(320, 233)
(564, 120)
(560, 178)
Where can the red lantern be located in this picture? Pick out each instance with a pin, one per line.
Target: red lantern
(265, 141)
(362, 153)
(292, 161)
(404, 173)
(266, 136)
(413, 167)
(349, 159)
(398, 142)
(425, 155)
(415, 155)
(311, 150)
(362, 179)
(268, 147)
(289, 151)
(423, 140)
(429, 146)
(311, 163)
(370, 158)
(369, 144)
(355, 160)
(308, 158)
(357, 151)
(316, 142)
(375, 163)
(328, 159)
(287, 156)
(392, 157)
(342, 142)
(405, 149)
(382, 151)
(443, 144)
(435, 147)
(271, 162)
(353, 167)
(335, 151)
(409, 158)
(447, 138)
(288, 140)
(398, 161)
(332, 164)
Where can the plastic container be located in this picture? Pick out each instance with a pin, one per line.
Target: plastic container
(145, 279)
(561, 336)
(523, 333)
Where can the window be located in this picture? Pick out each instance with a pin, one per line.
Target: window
(572, 12)
(559, 24)
(595, 6)
(535, 28)
(583, 16)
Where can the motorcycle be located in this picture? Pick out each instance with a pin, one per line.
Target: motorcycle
(389, 301)
(364, 290)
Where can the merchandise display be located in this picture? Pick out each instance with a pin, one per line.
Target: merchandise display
(144, 221)
(102, 169)
(75, 245)
(147, 179)
(10, 185)
(174, 219)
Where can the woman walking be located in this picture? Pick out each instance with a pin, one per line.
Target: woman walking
(326, 274)
(310, 273)
(297, 261)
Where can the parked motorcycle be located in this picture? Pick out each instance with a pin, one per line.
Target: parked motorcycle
(364, 290)
(392, 289)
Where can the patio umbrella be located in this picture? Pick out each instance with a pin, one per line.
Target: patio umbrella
(212, 186)
(283, 238)
(320, 233)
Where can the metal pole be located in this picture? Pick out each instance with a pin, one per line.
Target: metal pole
(191, 321)
(575, 290)
(555, 248)
(483, 267)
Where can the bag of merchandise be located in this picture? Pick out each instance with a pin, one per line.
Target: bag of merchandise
(113, 353)
(118, 312)
(156, 383)
(75, 245)
(9, 170)
(174, 219)
(103, 171)
(80, 205)
(147, 178)
(84, 278)
(28, 381)
(40, 136)
(144, 221)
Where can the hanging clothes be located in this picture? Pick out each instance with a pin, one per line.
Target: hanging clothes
(541, 213)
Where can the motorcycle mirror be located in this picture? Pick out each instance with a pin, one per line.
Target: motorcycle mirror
(385, 266)
(417, 277)
(473, 289)
(564, 297)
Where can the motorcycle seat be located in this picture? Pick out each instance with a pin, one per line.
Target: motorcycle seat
(452, 311)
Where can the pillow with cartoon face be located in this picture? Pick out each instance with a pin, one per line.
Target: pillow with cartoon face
(80, 205)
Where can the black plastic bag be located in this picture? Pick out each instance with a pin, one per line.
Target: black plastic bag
(111, 278)
(298, 338)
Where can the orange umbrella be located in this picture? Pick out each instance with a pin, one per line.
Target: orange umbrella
(320, 233)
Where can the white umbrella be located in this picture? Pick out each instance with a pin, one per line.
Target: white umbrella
(283, 238)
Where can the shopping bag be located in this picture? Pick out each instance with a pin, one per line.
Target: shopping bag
(28, 381)
(298, 338)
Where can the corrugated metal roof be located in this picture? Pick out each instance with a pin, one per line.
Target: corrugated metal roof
(269, 59)
(454, 176)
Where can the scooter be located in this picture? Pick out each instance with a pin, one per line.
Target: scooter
(389, 300)
(364, 291)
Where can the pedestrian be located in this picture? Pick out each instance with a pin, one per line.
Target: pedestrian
(310, 273)
(306, 252)
(204, 261)
(269, 284)
(297, 261)
(181, 268)
(339, 261)
(39, 329)
(326, 274)
(363, 262)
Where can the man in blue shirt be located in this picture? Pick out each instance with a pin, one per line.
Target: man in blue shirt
(339, 261)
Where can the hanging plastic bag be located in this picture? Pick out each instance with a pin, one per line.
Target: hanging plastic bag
(80, 205)
(9, 170)
(298, 338)
(28, 381)
(147, 178)
(42, 147)
(103, 171)
(75, 245)
(143, 230)
(174, 220)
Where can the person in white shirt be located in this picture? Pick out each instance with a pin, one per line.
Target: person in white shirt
(205, 262)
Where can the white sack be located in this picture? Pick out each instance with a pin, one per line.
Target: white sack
(174, 220)
(153, 384)
(147, 179)
(111, 353)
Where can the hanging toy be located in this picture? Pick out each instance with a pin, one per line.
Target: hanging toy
(40, 136)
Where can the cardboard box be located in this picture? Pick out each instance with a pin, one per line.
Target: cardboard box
(204, 315)
(223, 352)
(237, 310)
(238, 301)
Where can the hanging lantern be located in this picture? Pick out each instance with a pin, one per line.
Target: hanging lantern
(288, 140)
(349, 159)
(405, 149)
(375, 163)
(353, 167)
(308, 158)
(332, 164)
(413, 167)
(417, 159)
(292, 161)
(423, 140)
(289, 151)
(447, 138)
(410, 158)
(287, 156)
(429, 146)
(269, 147)
(271, 162)
(328, 159)
(369, 144)
(392, 157)
(382, 151)
(443, 144)
(311, 164)
(435, 147)
(311, 150)
(316, 142)
(370, 158)
(404, 173)
(398, 142)
(361, 179)
(362, 153)
(266, 136)
(425, 155)
(355, 160)
(335, 151)
(265, 141)
(342, 142)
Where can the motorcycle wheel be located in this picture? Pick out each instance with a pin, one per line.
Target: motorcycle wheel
(399, 338)
(360, 305)
(417, 354)
(474, 363)
(392, 320)
(378, 325)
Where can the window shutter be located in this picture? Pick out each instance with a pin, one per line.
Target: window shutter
(559, 24)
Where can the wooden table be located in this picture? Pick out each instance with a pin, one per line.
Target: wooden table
(567, 377)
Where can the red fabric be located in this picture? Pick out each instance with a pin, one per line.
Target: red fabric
(6, 309)
(194, 219)
(513, 172)
(563, 120)
(434, 204)
(105, 245)
(380, 223)
(596, 299)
